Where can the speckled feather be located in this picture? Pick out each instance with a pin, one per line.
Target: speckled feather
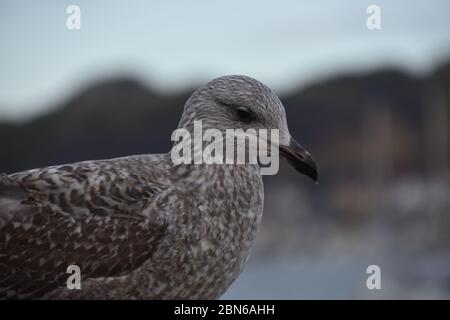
(138, 227)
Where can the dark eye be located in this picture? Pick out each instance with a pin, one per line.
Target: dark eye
(245, 114)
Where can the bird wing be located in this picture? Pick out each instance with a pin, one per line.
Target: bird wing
(96, 215)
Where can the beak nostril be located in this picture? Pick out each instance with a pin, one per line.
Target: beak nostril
(301, 156)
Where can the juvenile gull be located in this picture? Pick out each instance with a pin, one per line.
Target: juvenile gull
(141, 227)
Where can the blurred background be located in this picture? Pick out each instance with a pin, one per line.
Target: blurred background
(372, 107)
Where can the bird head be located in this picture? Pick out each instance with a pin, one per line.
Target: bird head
(241, 102)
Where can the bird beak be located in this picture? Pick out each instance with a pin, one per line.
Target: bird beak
(300, 159)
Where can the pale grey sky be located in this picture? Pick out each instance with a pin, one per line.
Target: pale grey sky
(176, 44)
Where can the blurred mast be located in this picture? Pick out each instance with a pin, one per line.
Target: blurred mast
(436, 134)
(437, 161)
(378, 151)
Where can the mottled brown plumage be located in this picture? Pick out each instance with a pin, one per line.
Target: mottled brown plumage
(139, 226)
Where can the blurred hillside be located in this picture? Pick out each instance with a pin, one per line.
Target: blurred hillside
(368, 132)
(381, 141)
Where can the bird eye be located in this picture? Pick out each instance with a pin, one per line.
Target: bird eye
(245, 114)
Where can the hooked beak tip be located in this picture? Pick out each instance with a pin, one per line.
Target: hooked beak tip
(301, 160)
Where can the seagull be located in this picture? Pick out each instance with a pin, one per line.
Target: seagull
(141, 227)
